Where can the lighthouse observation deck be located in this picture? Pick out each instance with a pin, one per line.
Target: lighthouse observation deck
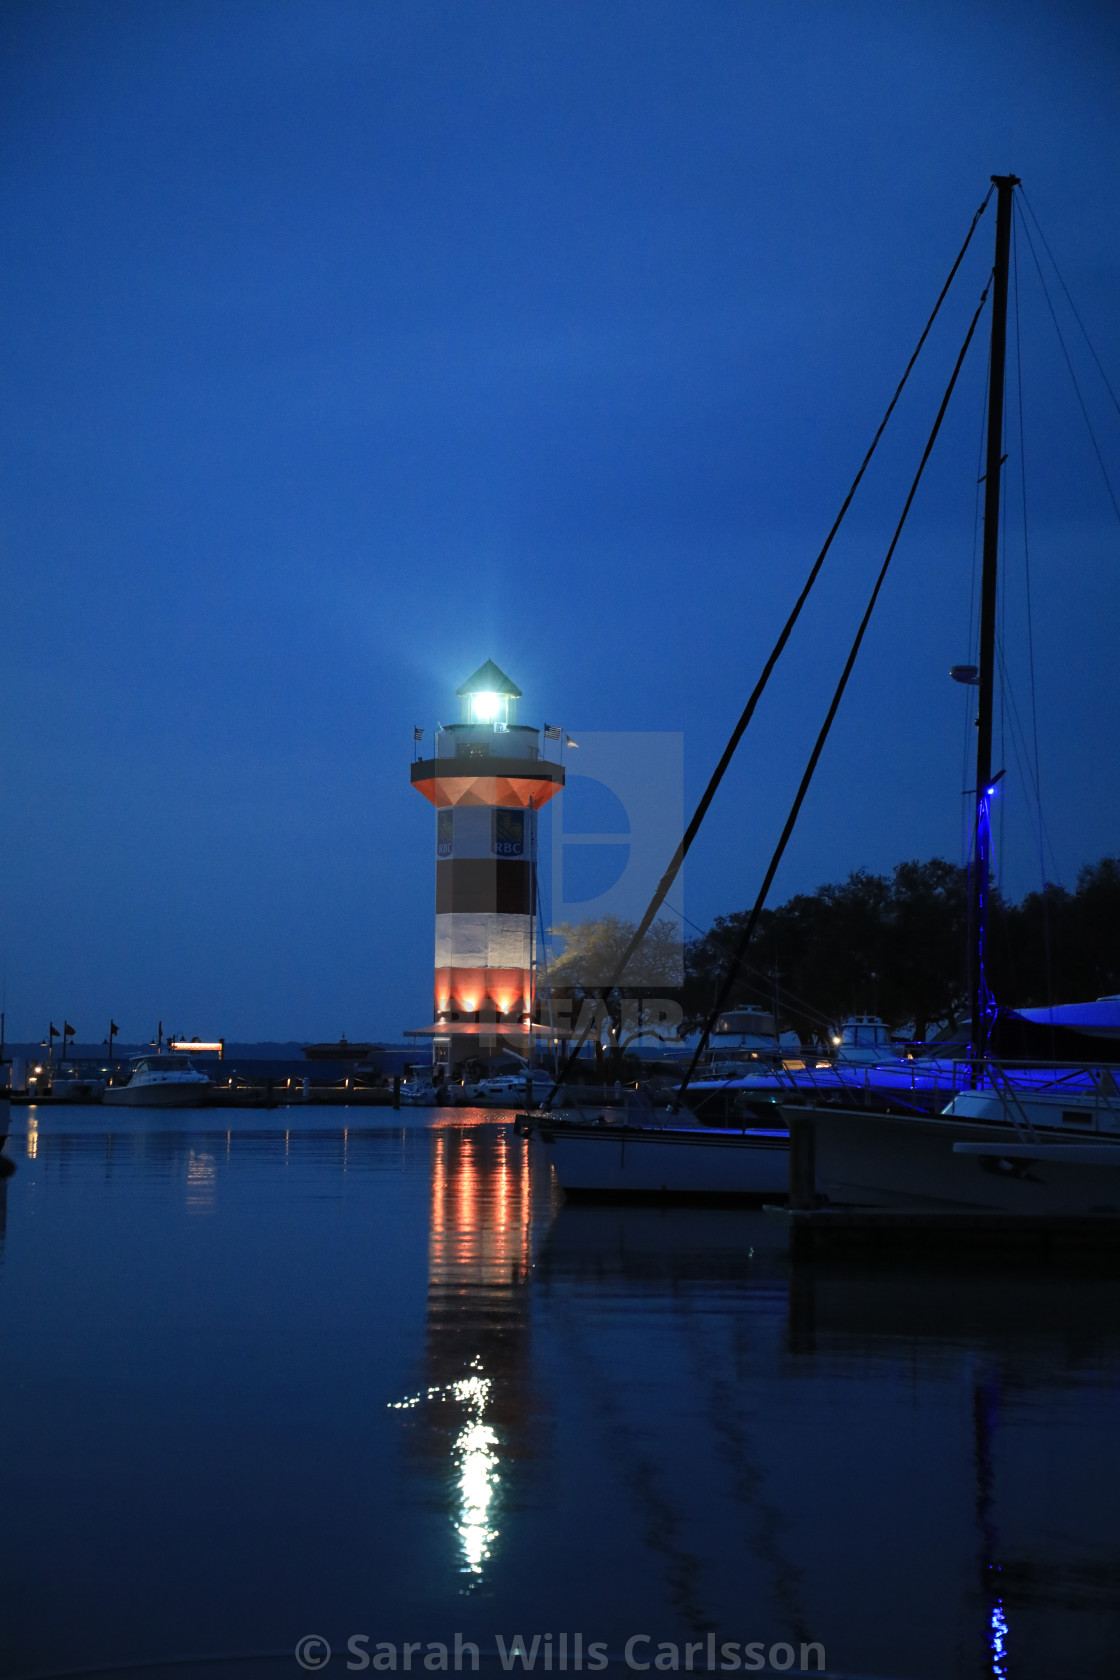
(488, 764)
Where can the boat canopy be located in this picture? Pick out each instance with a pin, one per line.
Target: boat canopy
(1100, 1019)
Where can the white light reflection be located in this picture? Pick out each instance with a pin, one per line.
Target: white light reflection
(32, 1136)
(478, 1474)
(202, 1178)
(475, 1453)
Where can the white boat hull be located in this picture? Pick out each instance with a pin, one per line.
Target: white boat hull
(876, 1160)
(158, 1096)
(660, 1162)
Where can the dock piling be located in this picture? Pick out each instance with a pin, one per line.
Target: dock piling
(802, 1162)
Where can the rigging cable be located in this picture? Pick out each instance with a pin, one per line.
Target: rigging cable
(1029, 208)
(1021, 746)
(802, 1006)
(1046, 936)
(1073, 376)
(1038, 229)
(664, 886)
(745, 938)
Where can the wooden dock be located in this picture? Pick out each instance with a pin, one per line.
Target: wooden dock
(264, 1095)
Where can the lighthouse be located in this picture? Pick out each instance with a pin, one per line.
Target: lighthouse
(487, 780)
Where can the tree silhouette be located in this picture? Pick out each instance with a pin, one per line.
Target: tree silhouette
(897, 946)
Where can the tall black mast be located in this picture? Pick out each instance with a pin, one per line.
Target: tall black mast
(982, 840)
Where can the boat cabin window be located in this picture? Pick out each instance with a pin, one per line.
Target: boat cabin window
(171, 1064)
(747, 1021)
(865, 1029)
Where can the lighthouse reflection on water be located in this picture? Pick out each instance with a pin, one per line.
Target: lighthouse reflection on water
(472, 1417)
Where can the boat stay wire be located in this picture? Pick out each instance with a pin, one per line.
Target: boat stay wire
(1026, 523)
(732, 973)
(761, 979)
(1076, 314)
(664, 886)
(1036, 778)
(1073, 375)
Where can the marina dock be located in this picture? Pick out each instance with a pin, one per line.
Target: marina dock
(265, 1095)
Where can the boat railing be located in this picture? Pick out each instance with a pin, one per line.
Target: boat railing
(944, 1077)
(1011, 1104)
(1017, 1082)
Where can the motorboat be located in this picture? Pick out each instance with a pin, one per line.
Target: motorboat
(421, 1093)
(864, 1040)
(508, 1090)
(161, 1082)
(70, 1084)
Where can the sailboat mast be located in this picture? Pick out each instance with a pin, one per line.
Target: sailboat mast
(982, 834)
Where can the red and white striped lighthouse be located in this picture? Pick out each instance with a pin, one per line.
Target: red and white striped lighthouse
(487, 781)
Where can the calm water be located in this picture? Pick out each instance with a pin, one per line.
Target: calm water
(355, 1378)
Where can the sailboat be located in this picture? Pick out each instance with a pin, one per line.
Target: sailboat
(1024, 1139)
(1043, 1139)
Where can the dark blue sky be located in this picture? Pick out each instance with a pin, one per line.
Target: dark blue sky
(346, 345)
